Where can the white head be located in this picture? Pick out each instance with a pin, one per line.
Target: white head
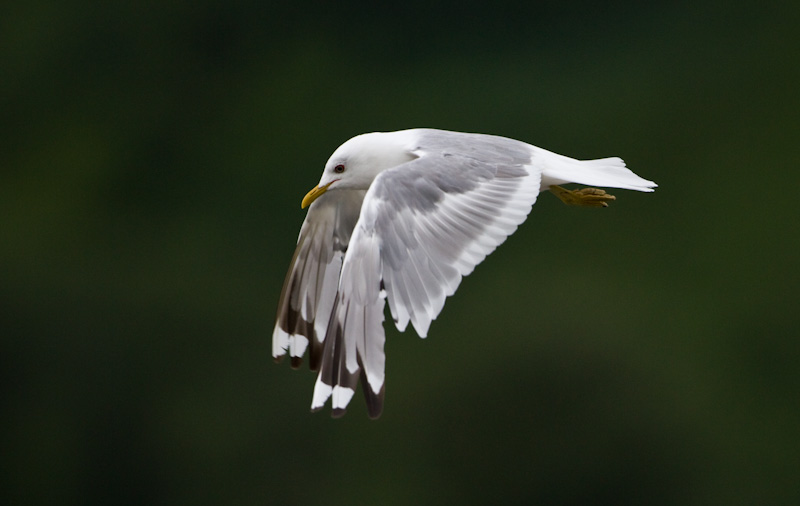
(357, 162)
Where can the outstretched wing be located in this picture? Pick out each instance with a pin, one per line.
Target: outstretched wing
(423, 226)
(311, 284)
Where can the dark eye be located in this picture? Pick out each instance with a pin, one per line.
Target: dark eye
(339, 169)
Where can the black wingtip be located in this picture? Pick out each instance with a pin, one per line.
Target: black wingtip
(374, 400)
(374, 405)
(315, 354)
(338, 412)
(297, 362)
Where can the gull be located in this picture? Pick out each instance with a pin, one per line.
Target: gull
(400, 218)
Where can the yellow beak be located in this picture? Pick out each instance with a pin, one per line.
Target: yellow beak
(314, 195)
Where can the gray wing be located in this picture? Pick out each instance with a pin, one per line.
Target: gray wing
(311, 284)
(423, 226)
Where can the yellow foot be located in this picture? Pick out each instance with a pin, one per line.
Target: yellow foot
(587, 197)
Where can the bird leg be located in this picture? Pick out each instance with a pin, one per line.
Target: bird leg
(586, 197)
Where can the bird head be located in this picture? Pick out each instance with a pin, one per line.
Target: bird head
(357, 162)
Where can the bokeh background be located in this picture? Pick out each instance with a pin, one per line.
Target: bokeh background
(153, 158)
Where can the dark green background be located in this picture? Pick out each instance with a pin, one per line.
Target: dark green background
(153, 159)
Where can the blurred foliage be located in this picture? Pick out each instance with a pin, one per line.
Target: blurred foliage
(153, 160)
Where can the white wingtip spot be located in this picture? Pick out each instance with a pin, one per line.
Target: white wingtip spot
(375, 381)
(280, 342)
(297, 346)
(341, 396)
(321, 394)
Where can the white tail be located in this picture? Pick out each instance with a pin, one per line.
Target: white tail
(607, 172)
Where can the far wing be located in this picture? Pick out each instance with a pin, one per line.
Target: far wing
(310, 287)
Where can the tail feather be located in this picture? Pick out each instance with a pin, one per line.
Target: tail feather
(606, 172)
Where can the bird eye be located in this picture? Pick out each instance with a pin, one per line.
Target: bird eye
(339, 169)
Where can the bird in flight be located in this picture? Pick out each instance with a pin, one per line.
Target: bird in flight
(399, 218)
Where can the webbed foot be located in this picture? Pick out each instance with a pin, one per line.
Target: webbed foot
(586, 197)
